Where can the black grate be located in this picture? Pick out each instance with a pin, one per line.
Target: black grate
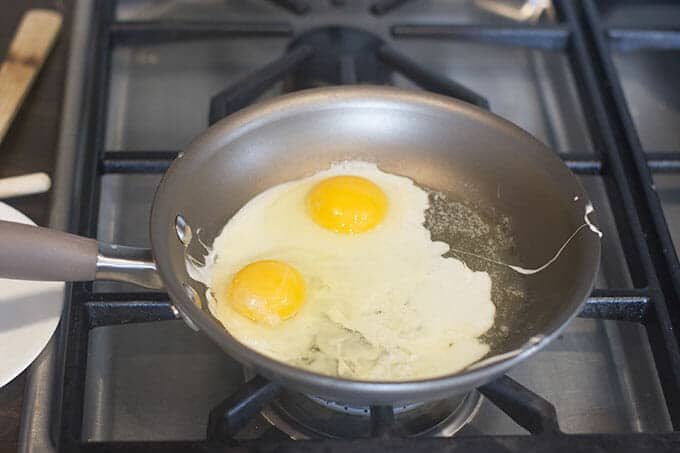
(619, 159)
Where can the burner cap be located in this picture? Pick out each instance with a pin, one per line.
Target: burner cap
(307, 417)
(342, 55)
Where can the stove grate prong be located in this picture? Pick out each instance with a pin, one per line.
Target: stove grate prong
(298, 7)
(348, 71)
(246, 90)
(233, 414)
(427, 79)
(618, 304)
(529, 410)
(385, 6)
(553, 37)
(382, 421)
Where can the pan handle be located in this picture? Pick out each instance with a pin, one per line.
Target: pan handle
(127, 264)
(29, 252)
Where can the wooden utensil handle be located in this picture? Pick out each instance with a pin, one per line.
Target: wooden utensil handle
(27, 52)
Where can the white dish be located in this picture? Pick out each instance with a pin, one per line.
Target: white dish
(29, 314)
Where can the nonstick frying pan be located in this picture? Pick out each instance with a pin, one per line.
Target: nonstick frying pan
(443, 144)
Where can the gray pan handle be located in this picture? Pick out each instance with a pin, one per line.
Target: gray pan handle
(34, 253)
(29, 252)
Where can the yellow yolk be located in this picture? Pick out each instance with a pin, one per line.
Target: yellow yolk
(347, 204)
(267, 291)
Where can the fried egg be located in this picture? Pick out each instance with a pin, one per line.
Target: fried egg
(336, 273)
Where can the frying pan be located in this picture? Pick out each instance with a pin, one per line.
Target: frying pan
(443, 144)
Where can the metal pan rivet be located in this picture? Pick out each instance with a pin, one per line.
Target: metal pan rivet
(183, 230)
(193, 295)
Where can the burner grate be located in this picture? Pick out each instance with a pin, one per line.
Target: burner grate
(652, 261)
(335, 56)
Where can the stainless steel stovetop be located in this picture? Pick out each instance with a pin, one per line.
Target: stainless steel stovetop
(158, 381)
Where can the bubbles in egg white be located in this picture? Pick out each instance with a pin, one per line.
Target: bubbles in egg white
(381, 305)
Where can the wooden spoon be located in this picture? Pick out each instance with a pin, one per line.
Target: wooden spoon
(29, 49)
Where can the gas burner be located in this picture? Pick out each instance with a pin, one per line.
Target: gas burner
(309, 417)
(335, 55)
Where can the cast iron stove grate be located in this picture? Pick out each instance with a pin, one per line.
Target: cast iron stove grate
(655, 269)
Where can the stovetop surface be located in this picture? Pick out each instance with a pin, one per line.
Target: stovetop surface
(159, 381)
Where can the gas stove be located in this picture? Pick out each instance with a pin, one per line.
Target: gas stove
(593, 80)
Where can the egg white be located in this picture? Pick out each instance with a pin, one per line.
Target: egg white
(383, 305)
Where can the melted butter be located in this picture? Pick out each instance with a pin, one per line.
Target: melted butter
(525, 271)
(591, 225)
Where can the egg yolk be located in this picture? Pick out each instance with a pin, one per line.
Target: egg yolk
(347, 204)
(267, 291)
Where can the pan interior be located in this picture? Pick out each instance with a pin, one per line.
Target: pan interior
(512, 200)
